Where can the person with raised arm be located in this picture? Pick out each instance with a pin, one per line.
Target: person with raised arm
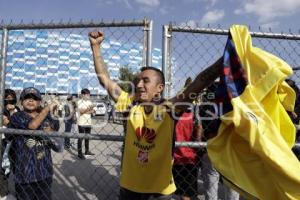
(146, 171)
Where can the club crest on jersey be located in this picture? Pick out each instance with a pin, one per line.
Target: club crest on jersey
(143, 157)
(146, 133)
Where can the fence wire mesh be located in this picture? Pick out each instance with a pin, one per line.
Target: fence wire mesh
(187, 52)
(56, 59)
(1, 33)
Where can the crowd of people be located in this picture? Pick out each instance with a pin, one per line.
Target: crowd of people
(152, 168)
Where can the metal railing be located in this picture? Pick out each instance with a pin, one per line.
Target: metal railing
(40, 47)
(50, 56)
(189, 50)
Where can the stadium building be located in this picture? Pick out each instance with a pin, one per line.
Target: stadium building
(58, 63)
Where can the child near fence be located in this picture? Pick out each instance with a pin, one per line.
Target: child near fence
(31, 155)
(10, 107)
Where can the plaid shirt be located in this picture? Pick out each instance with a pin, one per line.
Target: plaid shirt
(31, 155)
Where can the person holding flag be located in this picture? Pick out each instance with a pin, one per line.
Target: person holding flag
(252, 148)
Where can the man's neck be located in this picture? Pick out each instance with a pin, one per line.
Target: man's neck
(148, 109)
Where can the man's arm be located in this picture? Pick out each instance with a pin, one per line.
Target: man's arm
(88, 110)
(37, 121)
(203, 80)
(112, 87)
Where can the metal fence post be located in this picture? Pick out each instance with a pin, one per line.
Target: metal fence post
(56, 58)
(166, 66)
(2, 86)
(2, 72)
(148, 42)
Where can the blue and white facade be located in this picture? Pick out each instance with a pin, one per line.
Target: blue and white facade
(55, 62)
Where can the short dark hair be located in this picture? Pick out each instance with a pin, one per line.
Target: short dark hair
(69, 97)
(85, 91)
(158, 72)
(10, 92)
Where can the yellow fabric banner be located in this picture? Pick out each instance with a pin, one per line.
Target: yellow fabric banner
(253, 146)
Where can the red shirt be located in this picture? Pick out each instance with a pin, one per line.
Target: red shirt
(184, 133)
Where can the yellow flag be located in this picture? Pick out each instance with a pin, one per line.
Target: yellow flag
(253, 147)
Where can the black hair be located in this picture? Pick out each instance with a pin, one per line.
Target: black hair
(10, 92)
(85, 91)
(158, 72)
(69, 97)
(295, 119)
(293, 85)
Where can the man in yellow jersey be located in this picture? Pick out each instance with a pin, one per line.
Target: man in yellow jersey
(147, 159)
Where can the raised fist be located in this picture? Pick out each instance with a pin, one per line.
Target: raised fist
(96, 37)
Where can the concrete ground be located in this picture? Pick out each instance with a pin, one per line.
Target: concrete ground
(96, 177)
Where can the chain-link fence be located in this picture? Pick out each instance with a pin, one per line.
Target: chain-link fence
(56, 59)
(186, 52)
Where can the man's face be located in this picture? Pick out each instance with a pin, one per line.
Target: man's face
(86, 96)
(31, 104)
(148, 86)
(9, 97)
(10, 102)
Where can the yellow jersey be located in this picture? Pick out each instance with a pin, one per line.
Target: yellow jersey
(147, 159)
(253, 147)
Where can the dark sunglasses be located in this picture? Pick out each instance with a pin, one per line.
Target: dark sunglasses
(12, 102)
(31, 96)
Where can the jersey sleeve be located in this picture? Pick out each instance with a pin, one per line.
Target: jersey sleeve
(123, 102)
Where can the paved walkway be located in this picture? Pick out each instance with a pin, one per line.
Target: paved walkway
(96, 177)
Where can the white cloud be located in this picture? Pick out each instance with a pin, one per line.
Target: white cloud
(192, 23)
(189, 24)
(148, 3)
(267, 10)
(270, 25)
(212, 16)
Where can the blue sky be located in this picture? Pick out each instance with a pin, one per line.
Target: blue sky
(279, 15)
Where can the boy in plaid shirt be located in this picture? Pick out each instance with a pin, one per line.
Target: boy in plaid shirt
(32, 164)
